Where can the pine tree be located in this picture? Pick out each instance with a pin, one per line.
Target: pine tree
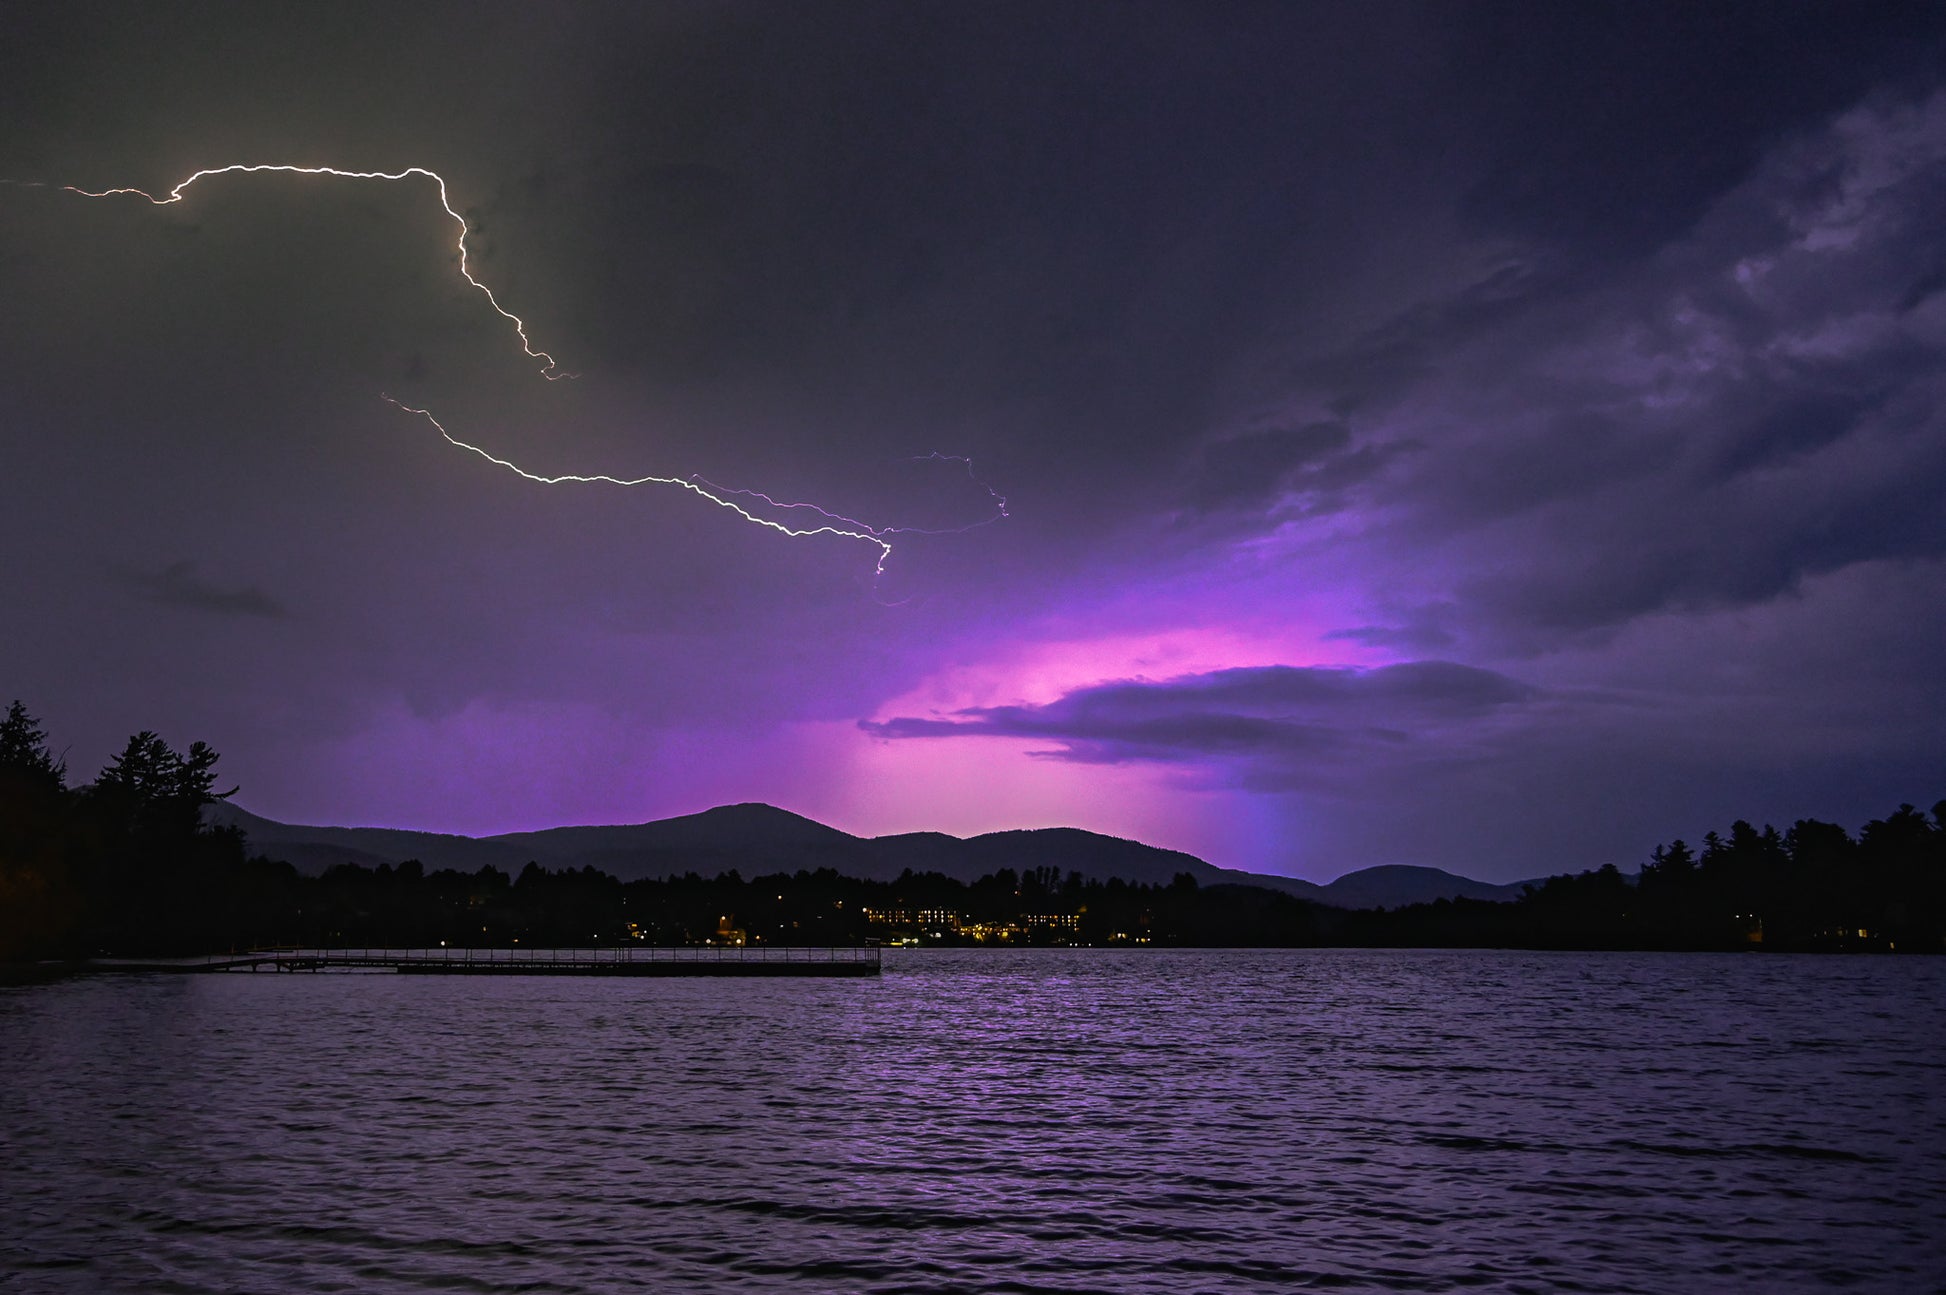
(24, 756)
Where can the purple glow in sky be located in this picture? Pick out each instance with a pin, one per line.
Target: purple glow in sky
(1494, 437)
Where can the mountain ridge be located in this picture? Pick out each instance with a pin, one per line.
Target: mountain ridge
(755, 838)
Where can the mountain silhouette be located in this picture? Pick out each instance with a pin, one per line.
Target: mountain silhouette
(1389, 885)
(756, 839)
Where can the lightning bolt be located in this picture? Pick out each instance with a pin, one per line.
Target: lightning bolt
(830, 523)
(549, 368)
(842, 526)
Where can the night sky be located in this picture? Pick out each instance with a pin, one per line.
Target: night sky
(1492, 436)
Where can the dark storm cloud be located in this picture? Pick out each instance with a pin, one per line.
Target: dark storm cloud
(1251, 468)
(1608, 127)
(1309, 470)
(1273, 716)
(1756, 403)
(931, 223)
(179, 585)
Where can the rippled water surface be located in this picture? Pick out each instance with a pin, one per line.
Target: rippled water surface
(989, 1121)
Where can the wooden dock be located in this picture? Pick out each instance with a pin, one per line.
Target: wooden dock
(622, 961)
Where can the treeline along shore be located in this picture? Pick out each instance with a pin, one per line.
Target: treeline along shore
(127, 865)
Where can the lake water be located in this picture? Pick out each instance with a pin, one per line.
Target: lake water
(1085, 1120)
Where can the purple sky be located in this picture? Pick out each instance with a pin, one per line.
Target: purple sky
(1498, 437)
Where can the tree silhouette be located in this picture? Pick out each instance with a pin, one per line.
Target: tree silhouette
(24, 757)
(150, 791)
(1670, 868)
(38, 901)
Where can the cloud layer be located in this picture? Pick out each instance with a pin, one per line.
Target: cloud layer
(1304, 721)
(179, 585)
(1755, 403)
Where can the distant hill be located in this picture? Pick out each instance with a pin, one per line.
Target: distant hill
(756, 839)
(313, 849)
(1390, 885)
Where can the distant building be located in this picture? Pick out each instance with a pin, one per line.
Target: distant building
(990, 932)
(1063, 922)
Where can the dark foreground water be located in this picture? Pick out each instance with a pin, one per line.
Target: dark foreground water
(987, 1121)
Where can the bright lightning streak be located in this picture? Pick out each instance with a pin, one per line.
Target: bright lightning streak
(843, 526)
(832, 524)
(549, 368)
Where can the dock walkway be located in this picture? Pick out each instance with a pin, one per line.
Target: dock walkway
(639, 961)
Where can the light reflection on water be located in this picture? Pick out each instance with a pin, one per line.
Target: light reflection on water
(989, 1121)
